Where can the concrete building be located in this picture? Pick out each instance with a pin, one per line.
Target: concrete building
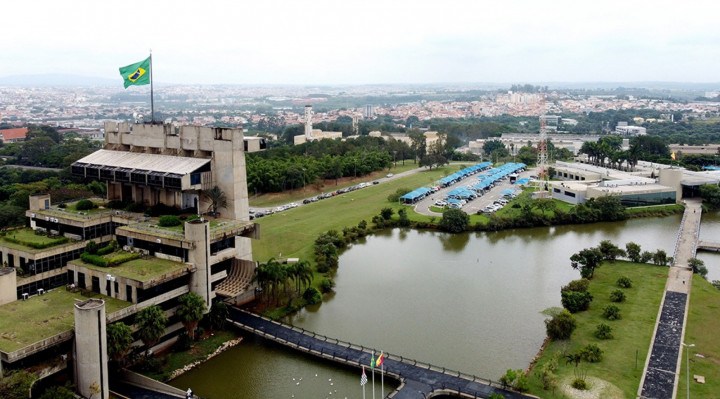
(150, 165)
(623, 129)
(313, 134)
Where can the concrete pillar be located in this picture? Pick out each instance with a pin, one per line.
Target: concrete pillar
(198, 232)
(8, 285)
(91, 373)
(672, 177)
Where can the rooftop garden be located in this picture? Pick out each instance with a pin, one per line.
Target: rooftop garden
(23, 323)
(109, 259)
(25, 238)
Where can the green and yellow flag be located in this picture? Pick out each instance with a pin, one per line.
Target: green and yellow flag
(136, 74)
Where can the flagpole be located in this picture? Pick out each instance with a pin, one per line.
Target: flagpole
(372, 368)
(382, 379)
(152, 101)
(363, 381)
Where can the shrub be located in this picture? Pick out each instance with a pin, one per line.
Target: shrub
(580, 384)
(612, 312)
(91, 247)
(592, 353)
(624, 282)
(327, 285)
(576, 301)
(183, 343)
(62, 206)
(121, 258)
(617, 296)
(107, 249)
(547, 376)
(577, 285)
(96, 260)
(85, 205)
(312, 296)
(169, 221)
(395, 197)
(603, 331)
(135, 207)
(561, 326)
(386, 213)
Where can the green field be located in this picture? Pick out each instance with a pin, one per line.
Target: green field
(291, 233)
(702, 325)
(42, 316)
(624, 356)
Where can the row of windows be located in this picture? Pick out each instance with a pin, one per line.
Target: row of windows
(49, 283)
(225, 243)
(125, 175)
(153, 247)
(43, 265)
(87, 233)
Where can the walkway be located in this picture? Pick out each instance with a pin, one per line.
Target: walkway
(418, 380)
(663, 363)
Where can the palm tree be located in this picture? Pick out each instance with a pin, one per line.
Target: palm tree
(151, 323)
(191, 310)
(303, 274)
(119, 339)
(217, 198)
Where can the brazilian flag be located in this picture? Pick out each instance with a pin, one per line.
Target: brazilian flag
(136, 74)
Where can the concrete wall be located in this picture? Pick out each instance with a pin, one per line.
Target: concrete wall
(198, 232)
(91, 373)
(8, 285)
(672, 178)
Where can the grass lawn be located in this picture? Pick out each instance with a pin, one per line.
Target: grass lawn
(27, 236)
(275, 199)
(176, 360)
(702, 325)
(138, 269)
(25, 322)
(293, 232)
(632, 333)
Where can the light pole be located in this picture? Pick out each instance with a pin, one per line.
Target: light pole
(687, 366)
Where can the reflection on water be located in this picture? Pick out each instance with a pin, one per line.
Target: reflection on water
(470, 302)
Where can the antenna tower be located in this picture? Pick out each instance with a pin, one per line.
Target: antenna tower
(542, 150)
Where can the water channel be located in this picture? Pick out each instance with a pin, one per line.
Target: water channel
(469, 302)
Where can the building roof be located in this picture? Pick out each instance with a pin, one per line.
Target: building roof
(14, 134)
(135, 160)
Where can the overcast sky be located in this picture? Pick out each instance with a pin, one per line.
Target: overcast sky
(366, 41)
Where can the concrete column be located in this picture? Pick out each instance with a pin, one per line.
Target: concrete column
(198, 232)
(672, 177)
(8, 285)
(91, 373)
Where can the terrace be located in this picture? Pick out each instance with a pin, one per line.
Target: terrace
(27, 240)
(69, 211)
(148, 270)
(24, 325)
(218, 228)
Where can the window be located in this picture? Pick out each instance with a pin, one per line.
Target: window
(128, 293)
(570, 194)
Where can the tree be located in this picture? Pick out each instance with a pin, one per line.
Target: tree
(633, 251)
(610, 251)
(698, 266)
(710, 193)
(575, 301)
(190, 312)
(17, 385)
(560, 326)
(660, 258)
(386, 213)
(586, 261)
(119, 339)
(217, 198)
(454, 221)
(151, 323)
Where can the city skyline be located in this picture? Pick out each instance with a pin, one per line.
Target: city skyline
(367, 42)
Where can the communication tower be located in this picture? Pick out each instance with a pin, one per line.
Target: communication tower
(308, 122)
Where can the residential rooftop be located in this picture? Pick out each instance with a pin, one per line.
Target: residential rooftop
(23, 323)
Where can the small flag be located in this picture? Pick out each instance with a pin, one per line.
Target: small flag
(672, 155)
(136, 74)
(372, 361)
(380, 360)
(363, 378)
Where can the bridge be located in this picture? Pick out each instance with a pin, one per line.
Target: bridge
(662, 367)
(417, 380)
(708, 246)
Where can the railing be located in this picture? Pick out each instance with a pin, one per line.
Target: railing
(365, 350)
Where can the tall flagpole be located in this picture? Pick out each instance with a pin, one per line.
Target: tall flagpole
(372, 368)
(382, 376)
(152, 101)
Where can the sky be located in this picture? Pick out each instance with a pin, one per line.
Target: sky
(367, 41)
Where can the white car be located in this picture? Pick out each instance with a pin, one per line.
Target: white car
(440, 203)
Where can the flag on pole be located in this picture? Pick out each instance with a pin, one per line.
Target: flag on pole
(672, 155)
(380, 360)
(136, 74)
(363, 377)
(372, 361)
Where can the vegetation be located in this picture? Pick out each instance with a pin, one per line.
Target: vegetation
(617, 296)
(217, 198)
(33, 239)
(16, 385)
(190, 311)
(620, 366)
(515, 379)
(560, 326)
(710, 193)
(603, 331)
(151, 323)
(611, 312)
(169, 221)
(624, 282)
(119, 339)
(586, 261)
(698, 266)
(454, 221)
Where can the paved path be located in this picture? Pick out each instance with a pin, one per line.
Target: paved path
(662, 366)
(417, 380)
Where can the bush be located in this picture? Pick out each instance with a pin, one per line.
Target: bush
(121, 258)
(561, 326)
(135, 207)
(646, 256)
(580, 384)
(624, 282)
(169, 221)
(183, 343)
(386, 213)
(312, 296)
(454, 221)
(592, 353)
(395, 197)
(58, 392)
(496, 395)
(617, 296)
(85, 205)
(327, 285)
(62, 206)
(108, 249)
(91, 247)
(96, 260)
(576, 301)
(577, 285)
(612, 312)
(515, 379)
(603, 331)
(547, 375)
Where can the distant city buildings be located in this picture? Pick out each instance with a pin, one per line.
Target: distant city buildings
(624, 129)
